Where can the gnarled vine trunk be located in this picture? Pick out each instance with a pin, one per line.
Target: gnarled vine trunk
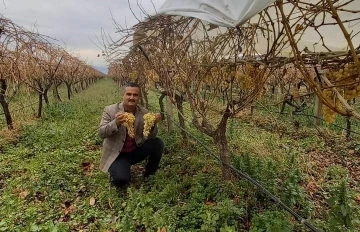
(46, 98)
(69, 91)
(40, 96)
(5, 105)
(56, 92)
(161, 104)
(179, 106)
(223, 146)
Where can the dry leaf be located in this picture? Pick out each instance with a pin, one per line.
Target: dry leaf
(24, 194)
(92, 201)
(87, 168)
(236, 200)
(210, 203)
(357, 198)
(71, 209)
(161, 229)
(311, 187)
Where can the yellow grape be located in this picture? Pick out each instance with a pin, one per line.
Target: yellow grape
(347, 80)
(133, 76)
(129, 124)
(329, 115)
(149, 121)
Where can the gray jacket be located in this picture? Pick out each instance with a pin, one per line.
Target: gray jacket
(114, 137)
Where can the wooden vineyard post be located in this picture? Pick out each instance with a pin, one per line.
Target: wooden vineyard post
(348, 129)
(169, 114)
(317, 111)
(318, 103)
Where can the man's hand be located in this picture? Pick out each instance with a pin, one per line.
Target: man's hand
(120, 118)
(158, 118)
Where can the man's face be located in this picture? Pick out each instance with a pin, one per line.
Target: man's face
(131, 96)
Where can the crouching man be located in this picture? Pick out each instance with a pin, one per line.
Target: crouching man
(120, 150)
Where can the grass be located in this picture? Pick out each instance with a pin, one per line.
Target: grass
(50, 181)
(23, 107)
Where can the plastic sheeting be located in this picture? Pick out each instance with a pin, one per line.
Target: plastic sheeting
(226, 13)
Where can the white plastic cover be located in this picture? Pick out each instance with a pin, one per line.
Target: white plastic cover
(226, 13)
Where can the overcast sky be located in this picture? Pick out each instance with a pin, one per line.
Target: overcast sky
(75, 23)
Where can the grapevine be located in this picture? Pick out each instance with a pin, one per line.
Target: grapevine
(149, 121)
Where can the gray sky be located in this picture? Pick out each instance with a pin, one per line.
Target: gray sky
(75, 23)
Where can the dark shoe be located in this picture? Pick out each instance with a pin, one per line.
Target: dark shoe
(147, 174)
(122, 191)
(110, 181)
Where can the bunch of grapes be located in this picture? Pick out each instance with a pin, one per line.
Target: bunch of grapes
(129, 124)
(330, 115)
(348, 80)
(133, 76)
(149, 121)
(152, 75)
(246, 76)
(244, 80)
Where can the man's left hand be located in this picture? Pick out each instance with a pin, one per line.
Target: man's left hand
(158, 117)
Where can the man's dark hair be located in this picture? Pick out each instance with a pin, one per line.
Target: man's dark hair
(131, 84)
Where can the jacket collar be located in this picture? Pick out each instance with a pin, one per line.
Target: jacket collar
(121, 107)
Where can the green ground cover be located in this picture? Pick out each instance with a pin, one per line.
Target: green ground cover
(49, 177)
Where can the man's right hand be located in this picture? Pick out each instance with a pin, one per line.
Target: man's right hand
(120, 118)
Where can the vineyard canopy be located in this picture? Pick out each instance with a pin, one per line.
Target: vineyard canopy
(226, 13)
(321, 35)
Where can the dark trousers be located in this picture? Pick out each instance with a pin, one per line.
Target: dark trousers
(120, 168)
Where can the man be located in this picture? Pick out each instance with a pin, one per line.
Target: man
(120, 151)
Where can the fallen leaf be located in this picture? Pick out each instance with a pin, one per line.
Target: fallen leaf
(71, 209)
(236, 200)
(311, 187)
(92, 201)
(24, 194)
(87, 168)
(161, 229)
(210, 203)
(357, 198)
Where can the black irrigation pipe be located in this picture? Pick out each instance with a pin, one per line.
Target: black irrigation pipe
(295, 113)
(300, 219)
